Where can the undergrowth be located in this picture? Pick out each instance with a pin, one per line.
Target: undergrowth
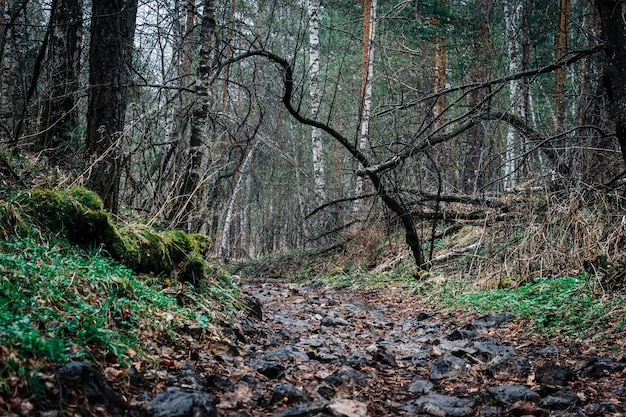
(59, 303)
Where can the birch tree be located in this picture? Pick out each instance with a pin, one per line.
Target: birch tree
(367, 77)
(319, 177)
(512, 23)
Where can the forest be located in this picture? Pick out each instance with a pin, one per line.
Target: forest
(436, 146)
(408, 117)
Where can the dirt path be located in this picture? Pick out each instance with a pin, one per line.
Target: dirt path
(323, 351)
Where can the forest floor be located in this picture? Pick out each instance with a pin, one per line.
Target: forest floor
(323, 350)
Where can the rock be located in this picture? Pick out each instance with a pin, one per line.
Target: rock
(491, 321)
(286, 353)
(269, 369)
(510, 394)
(331, 321)
(348, 408)
(604, 408)
(602, 366)
(345, 376)
(180, 402)
(448, 366)
(444, 405)
(554, 376)
(490, 411)
(81, 379)
(189, 377)
(491, 348)
(419, 386)
(254, 309)
(356, 360)
(525, 408)
(509, 366)
(384, 357)
(461, 334)
(424, 315)
(303, 410)
(287, 393)
(563, 398)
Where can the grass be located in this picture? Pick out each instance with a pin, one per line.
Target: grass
(59, 303)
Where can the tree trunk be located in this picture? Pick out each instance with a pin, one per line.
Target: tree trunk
(319, 176)
(63, 65)
(614, 35)
(512, 21)
(367, 75)
(111, 45)
(191, 191)
(560, 52)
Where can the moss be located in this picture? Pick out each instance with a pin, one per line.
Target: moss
(145, 250)
(77, 215)
(63, 214)
(87, 198)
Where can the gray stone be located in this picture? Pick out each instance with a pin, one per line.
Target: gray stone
(509, 394)
(419, 386)
(179, 402)
(356, 360)
(448, 366)
(491, 321)
(444, 405)
(345, 376)
(288, 393)
(491, 348)
(303, 410)
(286, 353)
(269, 369)
(554, 375)
(563, 398)
(509, 366)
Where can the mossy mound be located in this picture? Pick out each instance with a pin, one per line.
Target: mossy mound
(173, 251)
(77, 215)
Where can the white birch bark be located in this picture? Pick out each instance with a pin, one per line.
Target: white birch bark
(316, 134)
(367, 103)
(512, 23)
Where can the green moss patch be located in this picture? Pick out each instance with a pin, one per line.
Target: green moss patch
(77, 215)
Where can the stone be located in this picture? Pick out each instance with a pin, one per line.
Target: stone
(419, 386)
(554, 375)
(602, 366)
(444, 405)
(303, 410)
(461, 334)
(269, 369)
(491, 321)
(562, 399)
(510, 394)
(82, 379)
(509, 366)
(286, 353)
(180, 402)
(356, 360)
(448, 366)
(288, 393)
(345, 376)
(491, 348)
(348, 408)
(383, 356)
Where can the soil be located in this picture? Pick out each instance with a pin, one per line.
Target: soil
(313, 350)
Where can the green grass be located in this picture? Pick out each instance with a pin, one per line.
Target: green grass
(60, 303)
(564, 305)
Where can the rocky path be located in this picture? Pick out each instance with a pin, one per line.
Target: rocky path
(323, 351)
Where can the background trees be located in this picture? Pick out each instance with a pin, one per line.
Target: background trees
(468, 101)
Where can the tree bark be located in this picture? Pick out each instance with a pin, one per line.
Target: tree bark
(614, 35)
(367, 75)
(112, 34)
(319, 176)
(63, 65)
